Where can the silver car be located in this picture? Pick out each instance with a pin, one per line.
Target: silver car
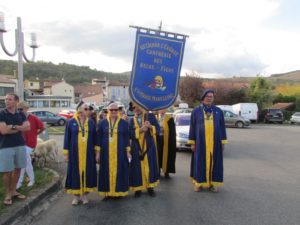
(182, 123)
(295, 118)
(49, 117)
(233, 120)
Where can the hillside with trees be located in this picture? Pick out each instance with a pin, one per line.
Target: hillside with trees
(70, 73)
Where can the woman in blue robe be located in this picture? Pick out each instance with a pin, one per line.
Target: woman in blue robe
(113, 140)
(79, 152)
(207, 137)
(144, 168)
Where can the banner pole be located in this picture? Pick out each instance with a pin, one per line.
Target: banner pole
(159, 31)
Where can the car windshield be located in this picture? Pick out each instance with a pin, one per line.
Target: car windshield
(183, 120)
(275, 111)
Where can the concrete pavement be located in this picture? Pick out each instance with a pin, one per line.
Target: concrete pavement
(262, 183)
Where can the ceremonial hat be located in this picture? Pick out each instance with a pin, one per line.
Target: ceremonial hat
(206, 91)
(79, 105)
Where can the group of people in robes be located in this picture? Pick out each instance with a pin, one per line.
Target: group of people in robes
(133, 153)
(128, 153)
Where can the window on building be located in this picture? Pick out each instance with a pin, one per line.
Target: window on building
(54, 103)
(5, 90)
(45, 103)
(64, 103)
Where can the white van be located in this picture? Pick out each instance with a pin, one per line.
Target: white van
(225, 107)
(247, 110)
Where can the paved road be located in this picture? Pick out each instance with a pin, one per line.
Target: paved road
(262, 186)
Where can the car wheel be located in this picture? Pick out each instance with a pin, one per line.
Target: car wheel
(239, 124)
(61, 122)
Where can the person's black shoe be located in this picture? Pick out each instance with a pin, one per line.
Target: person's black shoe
(167, 176)
(106, 198)
(137, 194)
(151, 192)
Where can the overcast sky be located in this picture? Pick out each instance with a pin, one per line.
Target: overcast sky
(227, 38)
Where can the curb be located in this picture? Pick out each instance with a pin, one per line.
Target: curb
(35, 197)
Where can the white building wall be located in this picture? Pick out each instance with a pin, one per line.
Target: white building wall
(63, 89)
(118, 93)
(31, 84)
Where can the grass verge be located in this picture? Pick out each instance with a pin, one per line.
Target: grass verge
(56, 129)
(42, 178)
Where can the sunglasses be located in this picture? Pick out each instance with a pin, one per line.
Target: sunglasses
(20, 109)
(114, 110)
(86, 109)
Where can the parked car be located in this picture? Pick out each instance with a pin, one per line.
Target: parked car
(49, 117)
(67, 113)
(295, 118)
(183, 110)
(182, 123)
(271, 115)
(234, 120)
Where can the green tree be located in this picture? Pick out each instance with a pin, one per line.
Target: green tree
(260, 92)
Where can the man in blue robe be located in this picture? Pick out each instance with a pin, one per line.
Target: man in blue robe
(207, 137)
(113, 140)
(144, 168)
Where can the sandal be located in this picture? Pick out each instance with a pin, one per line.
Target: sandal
(198, 189)
(19, 196)
(213, 189)
(7, 201)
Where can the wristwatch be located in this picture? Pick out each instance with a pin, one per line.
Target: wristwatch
(13, 127)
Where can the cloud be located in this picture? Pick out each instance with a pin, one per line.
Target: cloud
(89, 36)
(204, 52)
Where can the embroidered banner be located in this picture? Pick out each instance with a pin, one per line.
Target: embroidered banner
(156, 69)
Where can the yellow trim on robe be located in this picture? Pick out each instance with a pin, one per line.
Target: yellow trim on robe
(224, 142)
(78, 192)
(166, 143)
(65, 151)
(144, 163)
(115, 194)
(191, 142)
(97, 148)
(128, 149)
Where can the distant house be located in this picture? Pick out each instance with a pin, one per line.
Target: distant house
(33, 87)
(8, 84)
(89, 93)
(118, 91)
(59, 88)
(104, 82)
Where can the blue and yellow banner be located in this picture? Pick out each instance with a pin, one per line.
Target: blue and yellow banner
(156, 69)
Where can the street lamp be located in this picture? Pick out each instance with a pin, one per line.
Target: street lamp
(19, 49)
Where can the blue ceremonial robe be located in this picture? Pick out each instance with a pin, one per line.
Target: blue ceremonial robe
(208, 135)
(143, 173)
(113, 140)
(79, 144)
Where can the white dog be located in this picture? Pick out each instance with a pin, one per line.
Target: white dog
(44, 150)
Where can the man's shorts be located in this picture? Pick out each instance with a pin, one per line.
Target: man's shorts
(11, 158)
